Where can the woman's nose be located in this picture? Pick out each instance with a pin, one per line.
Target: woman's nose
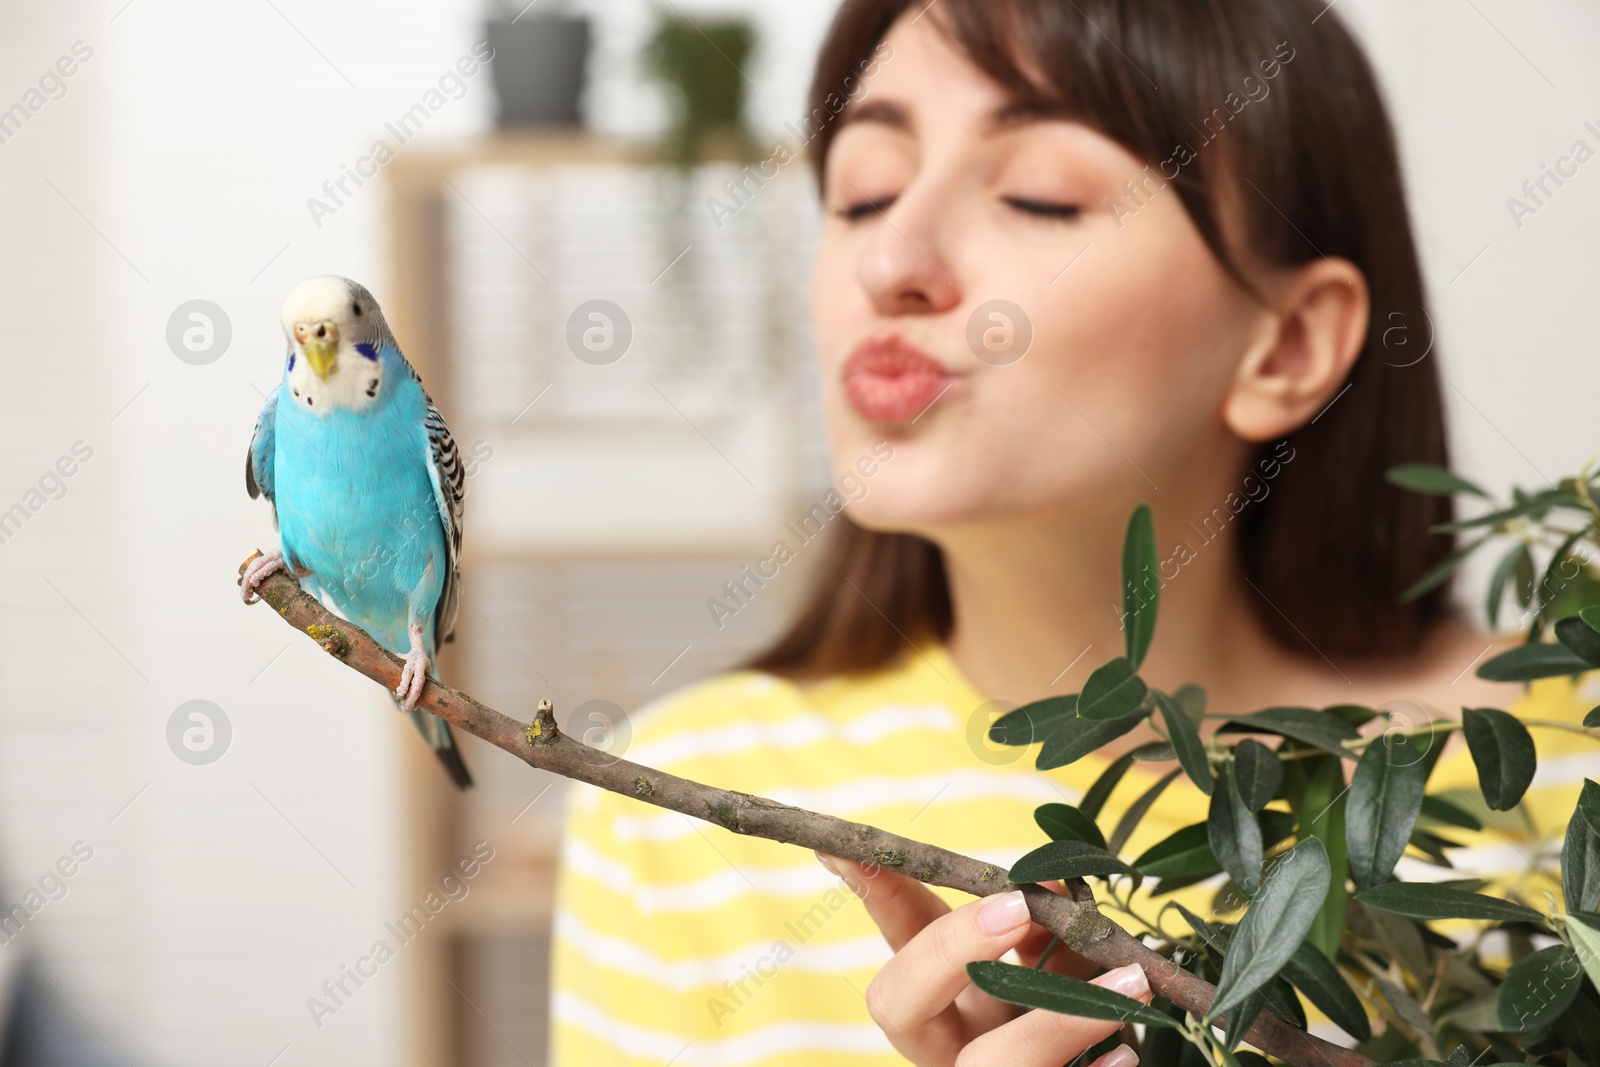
(902, 266)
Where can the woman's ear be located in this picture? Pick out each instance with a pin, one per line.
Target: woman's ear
(1312, 332)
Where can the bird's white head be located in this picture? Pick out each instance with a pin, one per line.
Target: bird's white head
(336, 334)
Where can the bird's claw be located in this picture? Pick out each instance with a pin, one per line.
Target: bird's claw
(413, 676)
(257, 572)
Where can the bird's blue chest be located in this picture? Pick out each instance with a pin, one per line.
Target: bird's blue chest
(356, 507)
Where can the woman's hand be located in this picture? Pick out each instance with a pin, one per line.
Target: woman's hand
(931, 1012)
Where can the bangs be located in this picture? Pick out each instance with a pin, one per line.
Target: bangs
(1192, 89)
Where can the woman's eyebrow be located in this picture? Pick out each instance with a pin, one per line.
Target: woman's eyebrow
(886, 112)
(1021, 112)
(1005, 117)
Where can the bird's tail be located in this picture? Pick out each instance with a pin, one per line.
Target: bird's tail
(436, 732)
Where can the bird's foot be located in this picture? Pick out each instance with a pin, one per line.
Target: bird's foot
(257, 572)
(413, 676)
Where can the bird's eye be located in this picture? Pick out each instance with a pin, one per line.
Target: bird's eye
(357, 309)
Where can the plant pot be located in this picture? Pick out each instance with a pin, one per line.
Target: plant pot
(538, 69)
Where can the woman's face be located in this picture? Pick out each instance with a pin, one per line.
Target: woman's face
(956, 226)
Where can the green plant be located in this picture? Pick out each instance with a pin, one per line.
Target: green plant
(1312, 862)
(703, 66)
(1372, 962)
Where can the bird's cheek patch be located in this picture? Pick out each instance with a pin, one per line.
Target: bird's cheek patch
(367, 350)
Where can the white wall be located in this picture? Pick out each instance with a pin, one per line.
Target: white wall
(1484, 93)
(218, 902)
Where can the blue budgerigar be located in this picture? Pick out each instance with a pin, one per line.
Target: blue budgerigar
(366, 485)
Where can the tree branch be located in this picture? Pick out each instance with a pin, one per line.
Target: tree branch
(1074, 919)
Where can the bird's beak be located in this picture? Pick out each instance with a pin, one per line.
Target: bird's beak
(320, 342)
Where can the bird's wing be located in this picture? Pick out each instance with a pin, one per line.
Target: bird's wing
(258, 461)
(449, 481)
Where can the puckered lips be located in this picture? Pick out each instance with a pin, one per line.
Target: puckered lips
(888, 379)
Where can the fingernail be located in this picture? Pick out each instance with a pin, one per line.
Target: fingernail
(1121, 1056)
(1129, 981)
(826, 863)
(1003, 913)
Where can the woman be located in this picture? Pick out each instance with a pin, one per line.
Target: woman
(1077, 254)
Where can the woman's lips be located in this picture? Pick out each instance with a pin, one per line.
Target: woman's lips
(889, 380)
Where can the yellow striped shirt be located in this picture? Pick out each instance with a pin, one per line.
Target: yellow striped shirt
(678, 942)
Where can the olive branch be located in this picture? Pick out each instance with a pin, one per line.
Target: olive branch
(1284, 827)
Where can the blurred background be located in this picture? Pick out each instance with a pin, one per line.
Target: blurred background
(205, 824)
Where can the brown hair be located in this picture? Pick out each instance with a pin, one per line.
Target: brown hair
(1311, 169)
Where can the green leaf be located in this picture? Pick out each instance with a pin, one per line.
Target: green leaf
(1179, 855)
(1274, 925)
(1585, 933)
(1309, 971)
(1530, 662)
(1235, 835)
(1404, 1004)
(1154, 752)
(1276, 995)
(1063, 822)
(1592, 720)
(1034, 988)
(1423, 900)
(1580, 639)
(1431, 478)
(1318, 799)
(1436, 574)
(1535, 505)
(1208, 933)
(1518, 562)
(1502, 750)
(1170, 1046)
(1306, 725)
(1523, 580)
(1282, 1002)
(1433, 846)
(1538, 988)
(1591, 615)
(1355, 715)
(1225, 1055)
(1439, 809)
(1589, 805)
(1095, 797)
(1258, 773)
(1075, 738)
(1184, 733)
(1187, 852)
(1580, 858)
(1384, 802)
(1033, 722)
(1580, 1029)
(1550, 586)
(1192, 699)
(1141, 585)
(1240, 1019)
(1138, 809)
(1067, 859)
(1111, 692)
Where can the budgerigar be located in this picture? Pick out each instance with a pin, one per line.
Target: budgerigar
(366, 486)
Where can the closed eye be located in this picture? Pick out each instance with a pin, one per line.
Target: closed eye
(1043, 208)
(858, 211)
